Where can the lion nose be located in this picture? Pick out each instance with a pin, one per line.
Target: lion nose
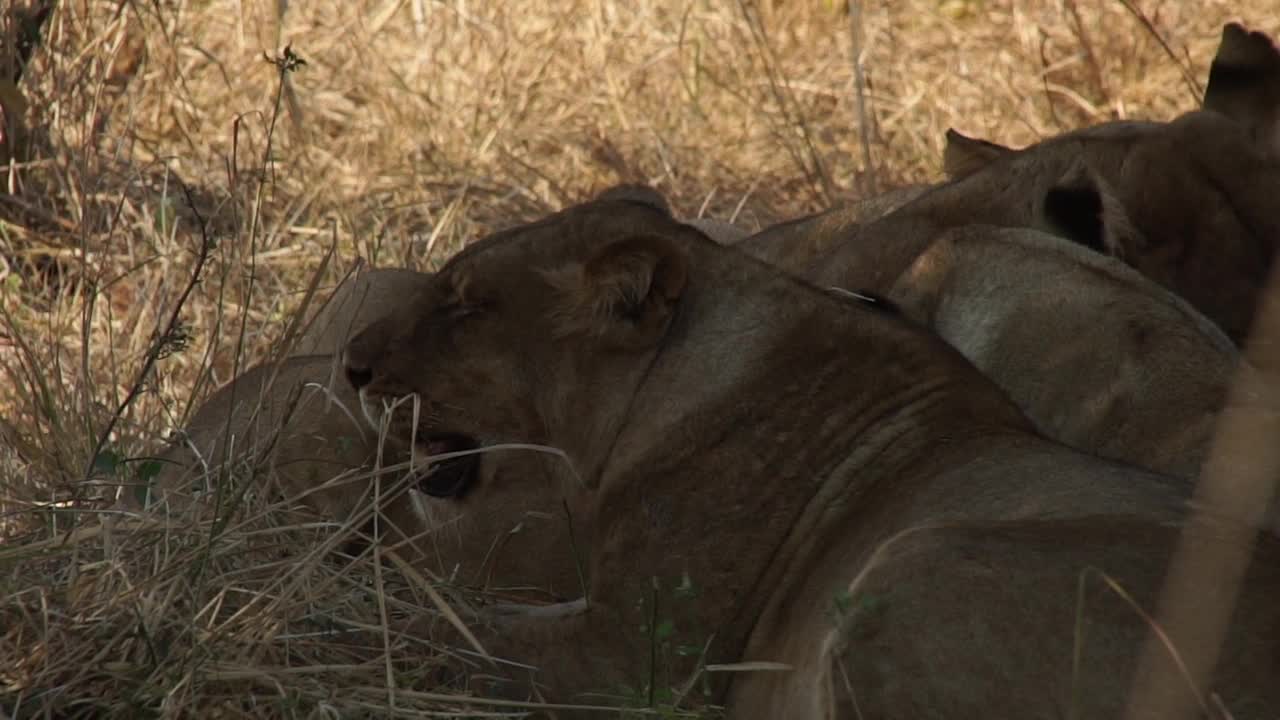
(358, 376)
(358, 370)
(360, 356)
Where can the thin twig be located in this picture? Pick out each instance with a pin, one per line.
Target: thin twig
(1188, 77)
(1231, 501)
(1090, 57)
(164, 341)
(860, 92)
(818, 171)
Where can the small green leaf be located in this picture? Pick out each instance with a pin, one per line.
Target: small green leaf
(148, 470)
(140, 494)
(871, 603)
(843, 601)
(685, 590)
(166, 213)
(106, 463)
(688, 650)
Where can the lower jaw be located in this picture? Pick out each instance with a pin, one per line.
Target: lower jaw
(452, 477)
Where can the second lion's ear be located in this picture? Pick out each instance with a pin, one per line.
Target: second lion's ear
(965, 155)
(1244, 83)
(636, 193)
(625, 294)
(1082, 207)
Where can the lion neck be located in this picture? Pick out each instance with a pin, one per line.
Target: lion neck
(773, 406)
(750, 343)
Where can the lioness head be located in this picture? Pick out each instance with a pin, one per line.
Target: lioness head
(1189, 203)
(593, 278)
(504, 527)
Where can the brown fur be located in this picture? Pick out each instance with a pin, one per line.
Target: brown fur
(926, 602)
(757, 449)
(512, 527)
(1189, 203)
(1099, 357)
(1032, 314)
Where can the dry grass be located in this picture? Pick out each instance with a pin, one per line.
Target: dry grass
(413, 126)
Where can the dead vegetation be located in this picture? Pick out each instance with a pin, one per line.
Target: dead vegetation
(231, 143)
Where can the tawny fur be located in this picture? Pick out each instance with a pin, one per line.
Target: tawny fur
(1098, 356)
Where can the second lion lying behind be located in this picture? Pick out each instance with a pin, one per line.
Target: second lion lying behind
(1098, 356)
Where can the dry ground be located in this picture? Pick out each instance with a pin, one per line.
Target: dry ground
(168, 138)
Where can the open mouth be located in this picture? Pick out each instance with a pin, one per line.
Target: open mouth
(450, 477)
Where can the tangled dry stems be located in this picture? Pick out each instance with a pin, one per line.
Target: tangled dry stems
(412, 127)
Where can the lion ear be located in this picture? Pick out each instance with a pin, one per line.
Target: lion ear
(1244, 83)
(1083, 208)
(625, 294)
(636, 193)
(965, 155)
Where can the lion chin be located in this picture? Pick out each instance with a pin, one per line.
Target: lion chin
(445, 462)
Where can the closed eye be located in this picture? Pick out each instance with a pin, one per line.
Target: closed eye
(466, 308)
(460, 310)
(463, 298)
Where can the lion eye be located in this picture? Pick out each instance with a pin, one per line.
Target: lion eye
(459, 306)
(463, 298)
(460, 310)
